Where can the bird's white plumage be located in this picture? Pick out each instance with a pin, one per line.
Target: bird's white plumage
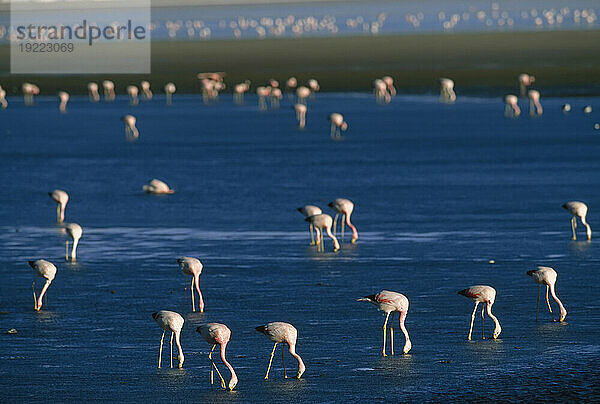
(44, 269)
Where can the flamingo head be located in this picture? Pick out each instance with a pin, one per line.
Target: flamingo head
(563, 314)
(233, 382)
(497, 331)
(301, 370)
(407, 346)
(181, 359)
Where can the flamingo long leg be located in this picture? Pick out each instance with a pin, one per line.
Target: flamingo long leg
(573, 227)
(192, 290)
(343, 221)
(213, 365)
(171, 343)
(472, 320)
(160, 349)
(322, 244)
(482, 310)
(67, 251)
(271, 361)
(335, 224)
(391, 332)
(548, 302)
(384, 329)
(537, 310)
(283, 359)
(34, 296)
(58, 213)
(310, 230)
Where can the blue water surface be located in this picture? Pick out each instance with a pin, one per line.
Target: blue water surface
(439, 191)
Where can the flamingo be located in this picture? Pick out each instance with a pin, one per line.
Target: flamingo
(61, 198)
(535, 108)
(547, 276)
(313, 85)
(300, 114)
(218, 334)
(525, 80)
(74, 231)
(390, 85)
(587, 109)
(193, 266)
(337, 123)
(319, 222)
(157, 187)
(146, 92)
(290, 86)
(263, 93)
(283, 333)
(170, 321)
(239, 90)
(381, 92)
(109, 90)
(447, 94)
(131, 132)
(63, 96)
(93, 92)
(302, 93)
(512, 109)
(344, 207)
(276, 96)
(308, 211)
(133, 95)
(44, 269)
(482, 294)
(169, 91)
(29, 91)
(390, 302)
(3, 102)
(566, 108)
(580, 209)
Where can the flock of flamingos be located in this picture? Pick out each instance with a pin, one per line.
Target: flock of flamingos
(279, 332)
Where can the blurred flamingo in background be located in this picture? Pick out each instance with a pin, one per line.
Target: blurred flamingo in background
(337, 123)
(447, 94)
(511, 110)
(157, 187)
(131, 131)
(525, 80)
(61, 198)
(535, 108)
(300, 115)
(74, 231)
(93, 92)
(133, 95)
(169, 91)
(63, 97)
(146, 92)
(109, 90)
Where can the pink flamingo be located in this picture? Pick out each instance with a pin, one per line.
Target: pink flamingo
(63, 96)
(300, 114)
(482, 294)
(447, 93)
(170, 321)
(93, 92)
(3, 102)
(525, 80)
(580, 209)
(29, 91)
(381, 92)
(75, 232)
(157, 187)
(109, 90)
(320, 222)
(276, 97)
(390, 85)
(218, 334)
(547, 276)
(44, 269)
(535, 107)
(193, 266)
(146, 92)
(308, 211)
(133, 95)
(239, 90)
(61, 198)
(131, 131)
(344, 207)
(283, 333)
(263, 93)
(169, 91)
(302, 93)
(512, 109)
(390, 302)
(337, 123)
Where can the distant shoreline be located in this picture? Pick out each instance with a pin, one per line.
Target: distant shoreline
(564, 63)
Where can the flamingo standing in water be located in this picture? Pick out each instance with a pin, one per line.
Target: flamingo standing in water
(93, 92)
(482, 294)
(320, 222)
(300, 114)
(344, 207)
(157, 187)
(170, 321)
(74, 231)
(525, 80)
(169, 91)
(146, 92)
(276, 97)
(337, 123)
(3, 102)
(535, 108)
(29, 91)
(61, 198)
(447, 94)
(263, 93)
(511, 110)
(239, 90)
(193, 266)
(390, 302)
(283, 333)
(63, 96)
(302, 93)
(290, 86)
(547, 276)
(43, 269)
(308, 211)
(314, 87)
(133, 95)
(576, 209)
(131, 132)
(218, 334)
(109, 90)
(390, 85)
(381, 92)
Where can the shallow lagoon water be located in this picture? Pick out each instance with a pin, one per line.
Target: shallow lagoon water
(439, 190)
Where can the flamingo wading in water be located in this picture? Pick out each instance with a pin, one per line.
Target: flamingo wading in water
(300, 114)
(511, 110)
(218, 334)
(193, 266)
(482, 294)
(63, 96)
(344, 207)
(320, 222)
(390, 302)
(169, 91)
(283, 333)
(74, 231)
(93, 92)
(337, 123)
(61, 198)
(535, 107)
(308, 211)
(547, 276)
(157, 187)
(170, 321)
(44, 269)
(131, 132)
(576, 209)
(447, 94)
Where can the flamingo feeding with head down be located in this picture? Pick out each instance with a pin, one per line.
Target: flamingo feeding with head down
(345, 207)
(239, 90)
(170, 321)
(308, 211)
(283, 333)
(93, 92)
(29, 91)
(63, 97)
(482, 294)
(535, 107)
(447, 94)
(302, 93)
(133, 95)
(74, 231)
(525, 80)
(576, 209)
(389, 303)
(337, 123)
(511, 110)
(320, 222)
(157, 187)
(382, 96)
(109, 90)
(218, 334)
(146, 92)
(389, 81)
(169, 91)
(131, 131)
(193, 266)
(300, 114)
(262, 92)
(46, 270)
(547, 276)
(61, 198)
